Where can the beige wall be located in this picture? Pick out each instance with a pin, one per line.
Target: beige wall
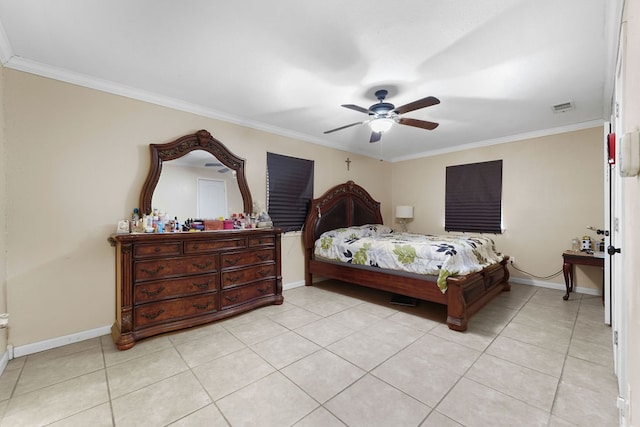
(551, 191)
(77, 159)
(3, 215)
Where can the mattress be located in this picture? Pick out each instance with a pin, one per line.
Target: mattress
(377, 246)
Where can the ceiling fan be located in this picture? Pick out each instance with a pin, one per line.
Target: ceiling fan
(384, 114)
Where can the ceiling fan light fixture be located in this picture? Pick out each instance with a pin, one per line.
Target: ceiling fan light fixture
(383, 115)
(381, 124)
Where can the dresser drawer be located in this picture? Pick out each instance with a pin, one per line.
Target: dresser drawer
(262, 241)
(174, 309)
(203, 246)
(238, 259)
(242, 276)
(159, 249)
(171, 288)
(242, 294)
(172, 267)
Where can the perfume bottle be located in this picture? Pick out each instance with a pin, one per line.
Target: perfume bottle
(575, 244)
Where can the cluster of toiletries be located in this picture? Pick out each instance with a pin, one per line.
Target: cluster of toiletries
(587, 244)
(154, 222)
(160, 222)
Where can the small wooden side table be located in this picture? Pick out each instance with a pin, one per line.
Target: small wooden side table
(572, 258)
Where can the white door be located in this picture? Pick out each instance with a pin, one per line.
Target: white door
(619, 318)
(212, 198)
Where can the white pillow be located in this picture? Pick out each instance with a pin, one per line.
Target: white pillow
(358, 231)
(376, 229)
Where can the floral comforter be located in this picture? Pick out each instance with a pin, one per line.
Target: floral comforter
(378, 246)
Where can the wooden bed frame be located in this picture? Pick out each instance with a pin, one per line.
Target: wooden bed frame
(349, 204)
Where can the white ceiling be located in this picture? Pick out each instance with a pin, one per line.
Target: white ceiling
(286, 66)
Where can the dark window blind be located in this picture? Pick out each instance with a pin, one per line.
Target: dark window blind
(289, 190)
(473, 200)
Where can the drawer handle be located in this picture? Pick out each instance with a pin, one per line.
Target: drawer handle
(153, 293)
(232, 261)
(202, 266)
(232, 298)
(157, 249)
(153, 272)
(263, 257)
(264, 290)
(264, 273)
(233, 279)
(151, 316)
(196, 246)
(203, 306)
(202, 286)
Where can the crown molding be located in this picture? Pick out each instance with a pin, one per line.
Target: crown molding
(504, 140)
(6, 53)
(44, 70)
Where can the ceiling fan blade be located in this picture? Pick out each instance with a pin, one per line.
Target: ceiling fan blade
(356, 108)
(415, 105)
(343, 127)
(418, 123)
(375, 136)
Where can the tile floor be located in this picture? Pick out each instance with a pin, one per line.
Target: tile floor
(335, 355)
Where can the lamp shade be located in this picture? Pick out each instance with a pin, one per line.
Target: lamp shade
(382, 124)
(404, 211)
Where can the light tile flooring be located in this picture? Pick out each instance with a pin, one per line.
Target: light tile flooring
(335, 355)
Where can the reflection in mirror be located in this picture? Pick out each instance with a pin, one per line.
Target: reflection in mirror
(180, 190)
(197, 185)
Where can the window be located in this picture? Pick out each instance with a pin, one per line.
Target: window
(473, 200)
(289, 190)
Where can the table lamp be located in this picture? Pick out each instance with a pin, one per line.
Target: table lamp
(403, 215)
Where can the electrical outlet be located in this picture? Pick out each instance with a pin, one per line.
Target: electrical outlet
(512, 260)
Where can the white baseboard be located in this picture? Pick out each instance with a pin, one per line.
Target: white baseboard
(4, 360)
(553, 285)
(293, 285)
(520, 280)
(39, 346)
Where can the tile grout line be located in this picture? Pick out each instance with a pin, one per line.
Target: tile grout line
(463, 375)
(430, 332)
(106, 379)
(564, 362)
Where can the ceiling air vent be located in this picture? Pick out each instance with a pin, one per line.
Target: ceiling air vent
(561, 108)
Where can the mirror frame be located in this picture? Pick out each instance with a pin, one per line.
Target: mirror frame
(201, 140)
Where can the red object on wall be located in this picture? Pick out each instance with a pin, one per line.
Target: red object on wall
(611, 148)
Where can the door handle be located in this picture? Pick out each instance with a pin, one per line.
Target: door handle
(611, 250)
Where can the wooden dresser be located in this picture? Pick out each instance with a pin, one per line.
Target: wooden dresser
(170, 281)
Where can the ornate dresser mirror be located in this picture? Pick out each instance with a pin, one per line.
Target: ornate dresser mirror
(167, 281)
(203, 150)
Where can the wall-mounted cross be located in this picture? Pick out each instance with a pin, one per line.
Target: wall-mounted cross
(348, 162)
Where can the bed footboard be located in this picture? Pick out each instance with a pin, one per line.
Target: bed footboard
(468, 294)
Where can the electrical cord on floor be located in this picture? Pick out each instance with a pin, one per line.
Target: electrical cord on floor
(551, 276)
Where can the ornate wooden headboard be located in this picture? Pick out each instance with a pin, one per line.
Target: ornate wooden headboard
(341, 206)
